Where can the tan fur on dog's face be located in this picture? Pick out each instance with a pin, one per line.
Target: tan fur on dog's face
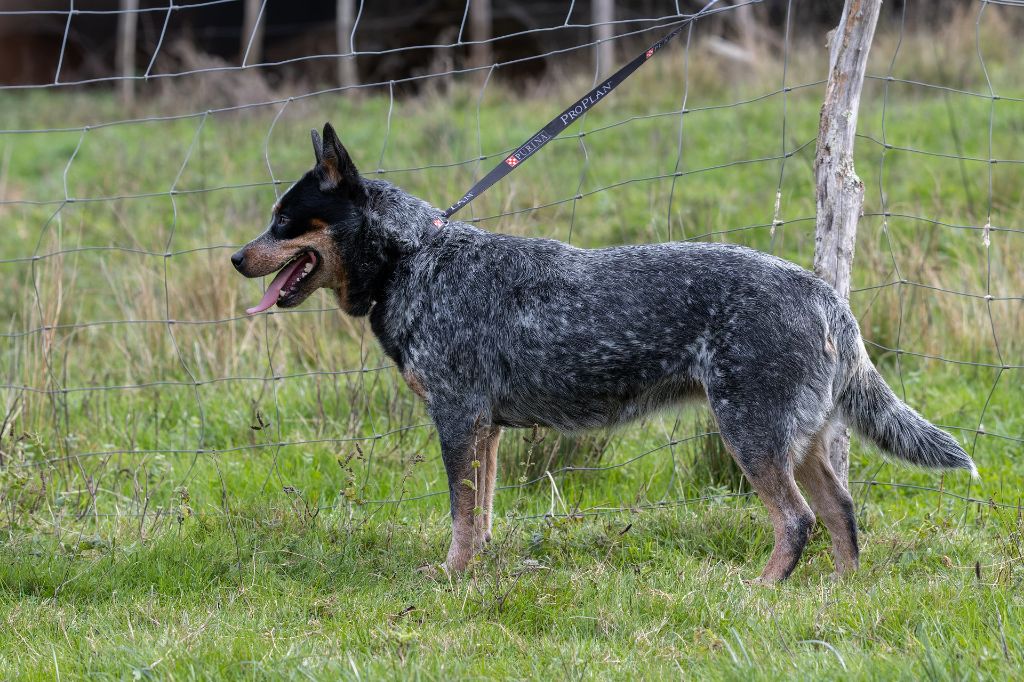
(266, 255)
(317, 214)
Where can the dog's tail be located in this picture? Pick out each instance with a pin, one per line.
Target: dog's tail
(874, 411)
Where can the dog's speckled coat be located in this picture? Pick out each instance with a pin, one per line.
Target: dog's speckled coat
(500, 331)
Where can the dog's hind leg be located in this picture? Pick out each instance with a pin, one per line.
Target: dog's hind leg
(763, 454)
(792, 520)
(464, 444)
(490, 468)
(831, 502)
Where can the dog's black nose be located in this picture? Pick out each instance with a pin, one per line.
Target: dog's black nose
(237, 259)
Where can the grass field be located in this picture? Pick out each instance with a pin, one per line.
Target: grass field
(186, 492)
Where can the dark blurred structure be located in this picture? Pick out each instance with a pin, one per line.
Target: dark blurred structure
(209, 33)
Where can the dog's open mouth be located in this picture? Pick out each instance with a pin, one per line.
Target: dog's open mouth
(287, 282)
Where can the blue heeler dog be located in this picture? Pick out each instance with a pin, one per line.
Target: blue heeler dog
(498, 331)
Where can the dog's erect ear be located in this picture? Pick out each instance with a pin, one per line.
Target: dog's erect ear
(318, 146)
(334, 163)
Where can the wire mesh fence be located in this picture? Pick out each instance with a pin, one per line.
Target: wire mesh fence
(134, 388)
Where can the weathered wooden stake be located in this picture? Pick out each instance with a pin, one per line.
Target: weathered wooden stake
(127, 21)
(480, 53)
(346, 17)
(602, 18)
(839, 192)
(252, 33)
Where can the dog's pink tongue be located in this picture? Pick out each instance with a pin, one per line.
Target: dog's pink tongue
(270, 298)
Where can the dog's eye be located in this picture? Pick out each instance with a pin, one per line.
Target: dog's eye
(282, 220)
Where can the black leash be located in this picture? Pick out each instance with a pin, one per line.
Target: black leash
(562, 121)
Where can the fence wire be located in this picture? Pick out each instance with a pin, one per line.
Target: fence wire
(43, 331)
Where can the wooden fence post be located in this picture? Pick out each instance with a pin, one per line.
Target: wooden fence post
(345, 19)
(127, 22)
(839, 192)
(252, 32)
(480, 26)
(602, 18)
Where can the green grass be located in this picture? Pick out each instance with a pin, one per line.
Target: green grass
(270, 595)
(170, 509)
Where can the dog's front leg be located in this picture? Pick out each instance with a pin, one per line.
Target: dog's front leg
(490, 466)
(464, 446)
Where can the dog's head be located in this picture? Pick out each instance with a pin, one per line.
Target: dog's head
(307, 227)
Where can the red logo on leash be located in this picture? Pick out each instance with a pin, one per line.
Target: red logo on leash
(512, 161)
(650, 53)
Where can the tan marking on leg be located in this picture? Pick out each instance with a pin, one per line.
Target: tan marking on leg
(415, 384)
(792, 520)
(468, 530)
(490, 478)
(831, 502)
(467, 527)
